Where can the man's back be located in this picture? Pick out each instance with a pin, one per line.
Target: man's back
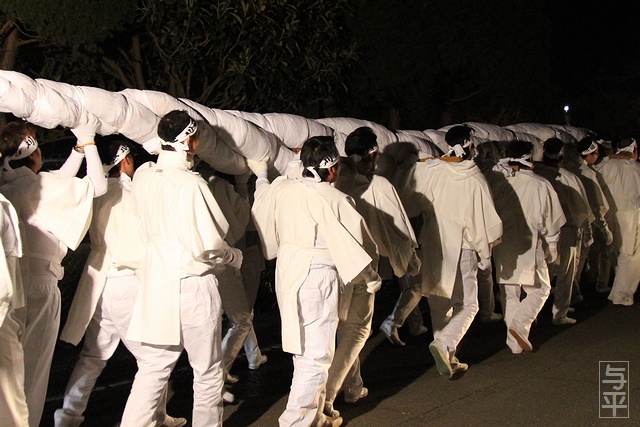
(458, 213)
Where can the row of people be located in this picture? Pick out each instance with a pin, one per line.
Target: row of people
(532, 220)
(165, 261)
(158, 266)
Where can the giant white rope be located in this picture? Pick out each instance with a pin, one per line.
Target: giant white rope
(228, 137)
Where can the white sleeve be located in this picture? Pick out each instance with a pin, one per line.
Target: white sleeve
(261, 181)
(72, 165)
(95, 171)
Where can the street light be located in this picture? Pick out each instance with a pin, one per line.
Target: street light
(566, 115)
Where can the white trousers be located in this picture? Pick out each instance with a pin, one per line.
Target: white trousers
(625, 283)
(605, 255)
(41, 321)
(521, 314)
(107, 327)
(235, 306)
(582, 255)
(200, 311)
(564, 270)
(318, 310)
(406, 308)
(486, 298)
(252, 266)
(352, 336)
(13, 403)
(451, 318)
(252, 348)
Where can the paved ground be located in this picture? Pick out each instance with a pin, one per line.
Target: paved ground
(558, 384)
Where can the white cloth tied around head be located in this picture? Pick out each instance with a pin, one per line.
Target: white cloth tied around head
(325, 163)
(503, 169)
(125, 181)
(554, 156)
(25, 149)
(123, 151)
(458, 150)
(524, 160)
(593, 147)
(178, 142)
(358, 158)
(628, 148)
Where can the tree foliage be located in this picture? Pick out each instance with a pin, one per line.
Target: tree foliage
(72, 22)
(484, 61)
(254, 55)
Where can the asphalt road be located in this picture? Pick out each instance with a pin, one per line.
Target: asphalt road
(558, 384)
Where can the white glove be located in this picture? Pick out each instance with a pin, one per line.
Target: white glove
(608, 235)
(230, 256)
(259, 168)
(414, 265)
(372, 279)
(484, 263)
(587, 239)
(86, 132)
(553, 252)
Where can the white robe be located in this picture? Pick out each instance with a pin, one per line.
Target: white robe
(55, 211)
(378, 203)
(236, 209)
(182, 245)
(116, 245)
(571, 193)
(622, 180)
(11, 294)
(458, 213)
(13, 404)
(530, 209)
(289, 215)
(589, 178)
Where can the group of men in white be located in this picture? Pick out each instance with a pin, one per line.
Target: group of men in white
(171, 250)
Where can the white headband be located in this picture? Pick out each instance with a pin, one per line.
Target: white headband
(458, 149)
(593, 147)
(554, 156)
(25, 149)
(123, 151)
(357, 157)
(178, 141)
(326, 163)
(628, 148)
(191, 128)
(524, 160)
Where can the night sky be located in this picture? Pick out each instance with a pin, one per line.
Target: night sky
(597, 63)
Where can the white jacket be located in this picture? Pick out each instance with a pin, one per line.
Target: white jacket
(290, 216)
(184, 231)
(530, 210)
(458, 212)
(117, 248)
